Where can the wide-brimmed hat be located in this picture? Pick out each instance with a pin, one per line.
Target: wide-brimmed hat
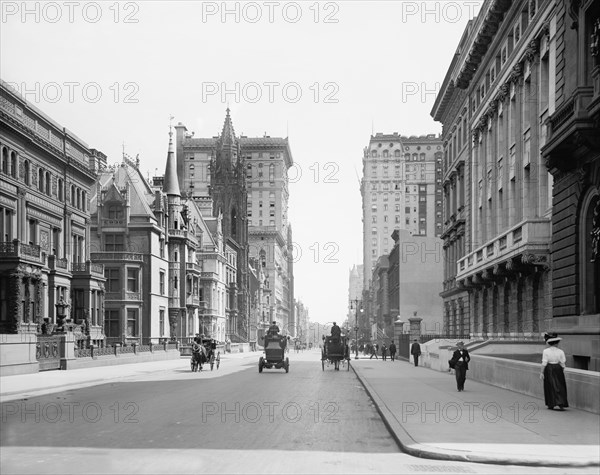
(552, 338)
(460, 343)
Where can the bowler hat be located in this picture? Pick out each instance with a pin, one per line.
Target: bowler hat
(552, 338)
(460, 343)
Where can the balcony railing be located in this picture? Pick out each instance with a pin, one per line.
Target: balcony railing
(87, 267)
(533, 235)
(117, 256)
(110, 222)
(192, 266)
(31, 252)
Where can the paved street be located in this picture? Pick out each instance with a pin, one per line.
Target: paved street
(233, 420)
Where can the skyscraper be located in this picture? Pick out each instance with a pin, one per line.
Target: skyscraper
(401, 189)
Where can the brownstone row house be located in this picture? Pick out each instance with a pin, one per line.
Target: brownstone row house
(519, 108)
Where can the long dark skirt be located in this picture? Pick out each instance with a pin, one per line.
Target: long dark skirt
(555, 386)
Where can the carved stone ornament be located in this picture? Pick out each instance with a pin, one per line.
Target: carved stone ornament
(532, 51)
(595, 40)
(517, 73)
(596, 233)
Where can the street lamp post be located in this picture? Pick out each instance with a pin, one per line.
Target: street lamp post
(356, 306)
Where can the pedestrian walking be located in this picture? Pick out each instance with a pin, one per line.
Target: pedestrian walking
(384, 352)
(392, 351)
(415, 350)
(373, 352)
(460, 362)
(553, 373)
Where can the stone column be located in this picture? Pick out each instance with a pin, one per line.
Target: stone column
(415, 327)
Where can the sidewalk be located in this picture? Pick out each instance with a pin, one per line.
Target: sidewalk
(36, 384)
(429, 418)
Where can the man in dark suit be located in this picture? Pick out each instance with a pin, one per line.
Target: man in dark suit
(461, 360)
(336, 332)
(392, 351)
(415, 350)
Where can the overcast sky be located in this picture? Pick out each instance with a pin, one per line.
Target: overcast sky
(325, 74)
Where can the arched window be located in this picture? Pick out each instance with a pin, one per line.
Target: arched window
(78, 194)
(13, 165)
(385, 154)
(41, 180)
(373, 153)
(48, 184)
(396, 153)
(589, 252)
(83, 200)
(26, 177)
(4, 160)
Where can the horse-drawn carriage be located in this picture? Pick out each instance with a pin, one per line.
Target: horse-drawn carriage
(335, 349)
(205, 352)
(274, 357)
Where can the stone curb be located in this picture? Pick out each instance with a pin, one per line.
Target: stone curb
(412, 447)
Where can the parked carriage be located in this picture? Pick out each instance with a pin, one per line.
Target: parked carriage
(335, 350)
(274, 357)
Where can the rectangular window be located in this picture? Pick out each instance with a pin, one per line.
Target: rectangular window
(113, 242)
(112, 280)
(162, 283)
(132, 322)
(111, 323)
(132, 280)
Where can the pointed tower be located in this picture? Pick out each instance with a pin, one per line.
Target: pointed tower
(176, 241)
(228, 192)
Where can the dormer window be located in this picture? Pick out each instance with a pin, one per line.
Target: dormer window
(115, 212)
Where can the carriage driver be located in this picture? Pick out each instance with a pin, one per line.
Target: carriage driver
(273, 329)
(336, 332)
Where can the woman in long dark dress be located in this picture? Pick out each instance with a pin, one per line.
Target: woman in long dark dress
(553, 374)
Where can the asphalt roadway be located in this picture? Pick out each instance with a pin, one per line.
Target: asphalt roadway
(161, 418)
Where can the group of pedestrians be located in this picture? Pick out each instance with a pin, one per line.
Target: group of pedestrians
(552, 372)
(372, 349)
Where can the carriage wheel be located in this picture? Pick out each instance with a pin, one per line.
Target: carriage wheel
(212, 362)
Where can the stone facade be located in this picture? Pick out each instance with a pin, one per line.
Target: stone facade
(494, 104)
(45, 180)
(572, 154)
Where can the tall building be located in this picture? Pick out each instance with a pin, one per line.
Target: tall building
(572, 155)
(495, 103)
(45, 180)
(247, 178)
(400, 189)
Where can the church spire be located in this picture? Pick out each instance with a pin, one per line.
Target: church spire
(171, 184)
(228, 134)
